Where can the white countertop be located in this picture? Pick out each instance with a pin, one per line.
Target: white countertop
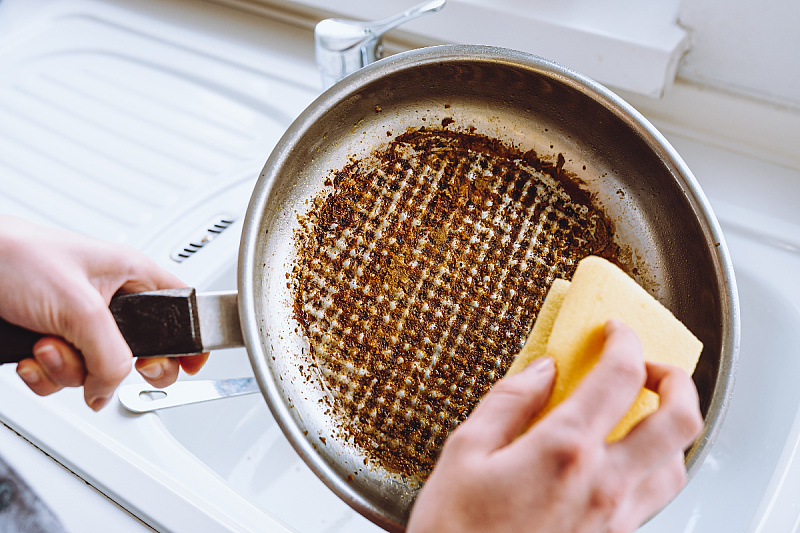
(78, 506)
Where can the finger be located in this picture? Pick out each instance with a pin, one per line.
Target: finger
(158, 371)
(163, 371)
(34, 377)
(107, 355)
(671, 428)
(93, 331)
(509, 406)
(607, 392)
(132, 271)
(60, 362)
(651, 495)
(191, 364)
(140, 274)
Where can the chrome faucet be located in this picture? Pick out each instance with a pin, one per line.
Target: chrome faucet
(344, 46)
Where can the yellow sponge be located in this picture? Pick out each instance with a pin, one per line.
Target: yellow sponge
(573, 318)
(536, 345)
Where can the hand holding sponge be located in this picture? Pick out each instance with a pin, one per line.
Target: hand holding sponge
(570, 325)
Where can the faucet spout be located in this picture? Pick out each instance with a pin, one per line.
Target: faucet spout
(343, 46)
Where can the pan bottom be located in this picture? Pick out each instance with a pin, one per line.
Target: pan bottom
(420, 272)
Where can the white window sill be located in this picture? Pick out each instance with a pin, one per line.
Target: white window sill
(625, 44)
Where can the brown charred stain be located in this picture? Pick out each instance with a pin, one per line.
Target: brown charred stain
(419, 276)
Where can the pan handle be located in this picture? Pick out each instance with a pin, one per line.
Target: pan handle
(157, 323)
(16, 343)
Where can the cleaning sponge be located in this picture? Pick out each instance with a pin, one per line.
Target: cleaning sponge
(571, 331)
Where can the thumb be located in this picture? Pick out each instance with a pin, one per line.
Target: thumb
(511, 404)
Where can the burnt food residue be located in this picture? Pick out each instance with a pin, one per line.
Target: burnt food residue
(419, 274)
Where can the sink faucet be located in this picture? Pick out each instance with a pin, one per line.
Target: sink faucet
(344, 46)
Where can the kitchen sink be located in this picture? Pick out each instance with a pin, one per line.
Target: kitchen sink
(144, 121)
(238, 438)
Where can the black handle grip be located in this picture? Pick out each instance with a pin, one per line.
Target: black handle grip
(16, 343)
(157, 323)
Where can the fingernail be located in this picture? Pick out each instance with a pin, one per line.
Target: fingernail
(49, 357)
(541, 364)
(98, 403)
(153, 371)
(29, 375)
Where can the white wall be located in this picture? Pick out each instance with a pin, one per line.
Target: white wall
(749, 47)
(628, 44)
(746, 46)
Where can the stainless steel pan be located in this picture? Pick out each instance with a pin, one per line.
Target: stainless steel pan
(662, 219)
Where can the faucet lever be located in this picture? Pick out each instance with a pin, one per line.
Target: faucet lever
(344, 46)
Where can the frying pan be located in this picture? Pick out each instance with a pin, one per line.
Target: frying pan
(672, 242)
